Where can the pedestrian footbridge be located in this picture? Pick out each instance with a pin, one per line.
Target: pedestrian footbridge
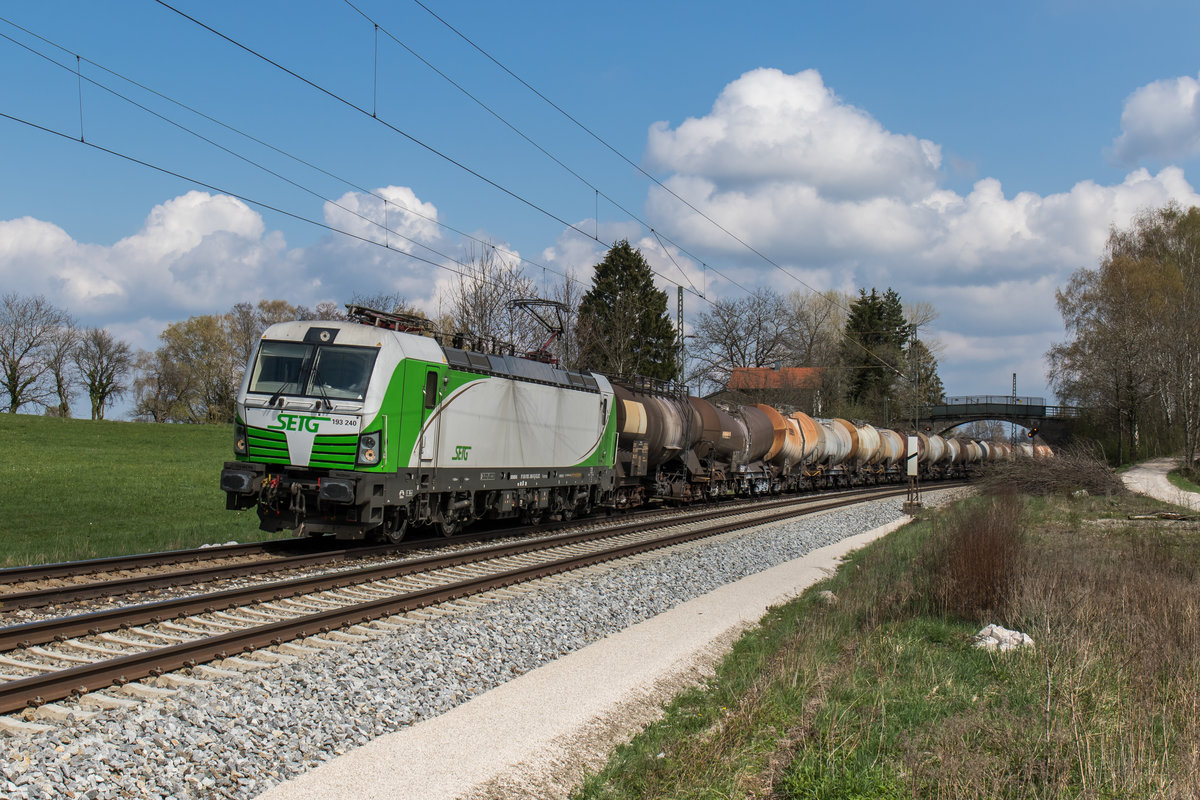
(1052, 423)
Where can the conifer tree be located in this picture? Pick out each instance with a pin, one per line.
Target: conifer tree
(873, 349)
(623, 327)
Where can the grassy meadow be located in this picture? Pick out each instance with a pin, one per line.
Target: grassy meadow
(72, 489)
(878, 692)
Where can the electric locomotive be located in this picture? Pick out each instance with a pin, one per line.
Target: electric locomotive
(365, 427)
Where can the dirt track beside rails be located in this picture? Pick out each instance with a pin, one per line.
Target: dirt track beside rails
(1150, 478)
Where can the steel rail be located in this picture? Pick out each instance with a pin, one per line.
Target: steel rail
(68, 569)
(38, 689)
(38, 598)
(91, 623)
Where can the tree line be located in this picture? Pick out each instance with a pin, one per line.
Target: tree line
(46, 359)
(1132, 357)
(873, 362)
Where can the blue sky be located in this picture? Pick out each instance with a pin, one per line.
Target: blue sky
(971, 157)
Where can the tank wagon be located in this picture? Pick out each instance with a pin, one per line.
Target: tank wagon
(364, 427)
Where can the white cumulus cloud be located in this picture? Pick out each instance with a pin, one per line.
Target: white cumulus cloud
(1161, 120)
(201, 253)
(193, 251)
(827, 192)
(768, 126)
(393, 215)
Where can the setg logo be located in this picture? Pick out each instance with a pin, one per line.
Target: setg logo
(461, 452)
(297, 422)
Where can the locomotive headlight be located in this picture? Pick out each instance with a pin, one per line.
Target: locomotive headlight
(369, 448)
(239, 439)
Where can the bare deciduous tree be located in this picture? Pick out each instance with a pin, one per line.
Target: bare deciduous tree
(162, 387)
(1122, 318)
(324, 310)
(194, 375)
(246, 322)
(569, 292)
(104, 363)
(391, 302)
(749, 332)
(815, 325)
(478, 303)
(60, 364)
(28, 327)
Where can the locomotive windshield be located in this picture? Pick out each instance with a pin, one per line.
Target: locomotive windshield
(336, 372)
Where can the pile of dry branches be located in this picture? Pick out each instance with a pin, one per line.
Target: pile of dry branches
(1074, 468)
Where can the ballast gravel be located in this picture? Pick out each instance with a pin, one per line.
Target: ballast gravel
(235, 737)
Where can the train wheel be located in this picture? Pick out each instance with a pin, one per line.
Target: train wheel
(393, 530)
(449, 526)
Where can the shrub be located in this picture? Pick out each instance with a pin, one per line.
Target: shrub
(974, 558)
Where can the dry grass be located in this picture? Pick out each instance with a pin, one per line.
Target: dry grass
(974, 558)
(1118, 619)
(882, 695)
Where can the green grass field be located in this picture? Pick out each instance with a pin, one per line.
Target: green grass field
(76, 489)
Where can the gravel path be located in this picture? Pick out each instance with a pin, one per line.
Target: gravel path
(1150, 478)
(235, 737)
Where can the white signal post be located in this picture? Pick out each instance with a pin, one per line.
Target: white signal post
(913, 504)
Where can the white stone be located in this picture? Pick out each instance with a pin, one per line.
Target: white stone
(995, 637)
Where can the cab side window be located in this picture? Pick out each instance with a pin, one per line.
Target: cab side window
(431, 389)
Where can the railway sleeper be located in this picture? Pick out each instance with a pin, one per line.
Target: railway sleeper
(60, 713)
(104, 702)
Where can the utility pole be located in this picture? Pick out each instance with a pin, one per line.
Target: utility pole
(1012, 426)
(682, 368)
(912, 503)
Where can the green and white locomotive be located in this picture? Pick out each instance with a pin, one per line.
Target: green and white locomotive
(362, 428)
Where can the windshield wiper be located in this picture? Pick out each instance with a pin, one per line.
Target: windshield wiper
(278, 396)
(320, 386)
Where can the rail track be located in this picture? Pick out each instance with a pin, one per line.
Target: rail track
(75, 569)
(114, 587)
(44, 585)
(53, 659)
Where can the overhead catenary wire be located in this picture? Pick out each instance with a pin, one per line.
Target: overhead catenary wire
(386, 229)
(585, 181)
(385, 200)
(681, 271)
(606, 144)
(639, 168)
(253, 163)
(230, 193)
(355, 107)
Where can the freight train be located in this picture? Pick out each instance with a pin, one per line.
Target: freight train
(364, 427)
